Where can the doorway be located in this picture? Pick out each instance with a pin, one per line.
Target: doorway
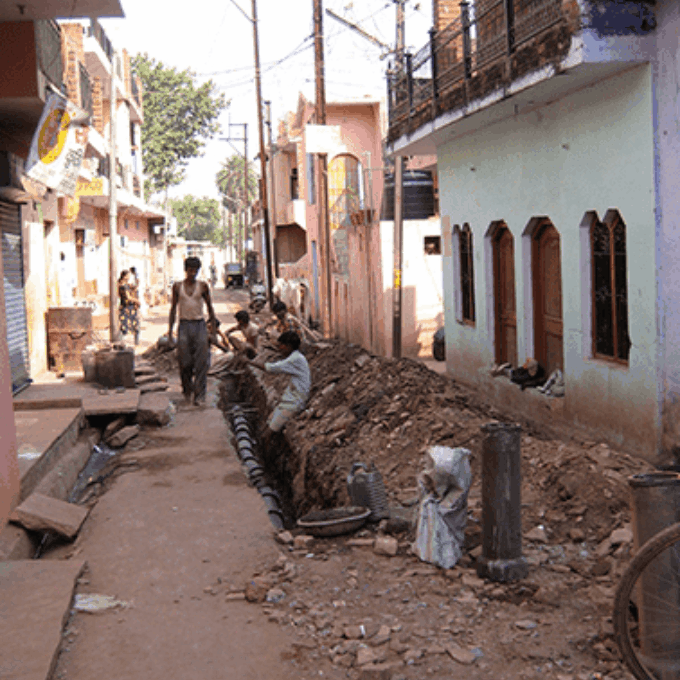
(504, 295)
(547, 278)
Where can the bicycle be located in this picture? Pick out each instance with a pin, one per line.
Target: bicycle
(647, 609)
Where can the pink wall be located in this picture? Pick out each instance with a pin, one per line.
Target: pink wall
(9, 463)
(132, 233)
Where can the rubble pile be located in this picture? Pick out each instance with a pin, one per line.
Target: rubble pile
(388, 412)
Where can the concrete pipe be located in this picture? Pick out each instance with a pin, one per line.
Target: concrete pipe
(501, 558)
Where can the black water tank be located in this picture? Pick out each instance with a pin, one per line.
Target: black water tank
(418, 196)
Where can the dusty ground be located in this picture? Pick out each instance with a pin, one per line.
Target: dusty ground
(340, 610)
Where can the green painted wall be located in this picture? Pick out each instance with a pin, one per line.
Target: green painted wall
(590, 151)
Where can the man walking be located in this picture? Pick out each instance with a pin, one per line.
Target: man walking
(193, 350)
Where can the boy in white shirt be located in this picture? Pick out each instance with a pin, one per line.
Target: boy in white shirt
(294, 399)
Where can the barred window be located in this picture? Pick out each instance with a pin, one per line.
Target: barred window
(610, 288)
(467, 278)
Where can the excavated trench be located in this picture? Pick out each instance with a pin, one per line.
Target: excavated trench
(246, 403)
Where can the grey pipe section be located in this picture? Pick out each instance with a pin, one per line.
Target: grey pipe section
(501, 558)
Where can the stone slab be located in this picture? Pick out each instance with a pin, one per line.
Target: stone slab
(154, 409)
(111, 402)
(42, 438)
(154, 387)
(35, 599)
(16, 544)
(42, 513)
(146, 379)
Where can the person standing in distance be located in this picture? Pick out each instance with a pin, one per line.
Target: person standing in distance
(193, 349)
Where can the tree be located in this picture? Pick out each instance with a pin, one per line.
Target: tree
(198, 218)
(230, 184)
(179, 117)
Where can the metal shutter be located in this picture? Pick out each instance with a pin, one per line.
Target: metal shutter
(15, 303)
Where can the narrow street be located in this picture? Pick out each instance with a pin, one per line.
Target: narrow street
(181, 539)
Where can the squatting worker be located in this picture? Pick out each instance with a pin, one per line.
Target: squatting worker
(193, 350)
(295, 397)
(250, 332)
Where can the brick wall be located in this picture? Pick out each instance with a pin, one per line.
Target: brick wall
(72, 54)
(126, 71)
(97, 106)
(444, 12)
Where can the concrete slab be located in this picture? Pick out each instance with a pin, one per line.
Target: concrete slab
(42, 438)
(66, 393)
(35, 599)
(42, 513)
(112, 402)
(16, 544)
(154, 409)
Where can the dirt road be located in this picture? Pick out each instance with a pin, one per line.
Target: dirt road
(169, 537)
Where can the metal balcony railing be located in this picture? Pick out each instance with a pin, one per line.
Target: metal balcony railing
(85, 90)
(48, 50)
(96, 31)
(482, 38)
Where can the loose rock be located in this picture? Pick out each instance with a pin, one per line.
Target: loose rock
(386, 545)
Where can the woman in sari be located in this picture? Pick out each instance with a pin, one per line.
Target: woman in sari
(129, 306)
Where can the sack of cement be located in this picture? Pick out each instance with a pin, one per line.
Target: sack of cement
(443, 486)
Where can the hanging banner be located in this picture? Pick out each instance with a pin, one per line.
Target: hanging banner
(58, 146)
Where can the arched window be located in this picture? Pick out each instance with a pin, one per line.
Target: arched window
(467, 276)
(610, 288)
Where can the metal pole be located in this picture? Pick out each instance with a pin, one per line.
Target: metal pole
(263, 158)
(369, 233)
(272, 194)
(401, 34)
(397, 255)
(245, 185)
(323, 166)
(113, 218)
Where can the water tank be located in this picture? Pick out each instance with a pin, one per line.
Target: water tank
(418, 196)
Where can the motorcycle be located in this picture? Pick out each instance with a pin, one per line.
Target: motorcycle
(258, 296)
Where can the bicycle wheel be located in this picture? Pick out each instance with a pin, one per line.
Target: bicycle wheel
(647, 609)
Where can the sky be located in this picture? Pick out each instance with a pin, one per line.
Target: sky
(215, 40)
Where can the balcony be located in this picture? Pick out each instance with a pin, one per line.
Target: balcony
(30, 54)
(501, 50)
(98, 55)
(85, 90)
(96, 31)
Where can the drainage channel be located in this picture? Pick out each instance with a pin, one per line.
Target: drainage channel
(260, 465)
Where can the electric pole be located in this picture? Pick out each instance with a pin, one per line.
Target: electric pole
(323, 167)
(272, 194)
(263, 157)
(397, 248)
(113, 218)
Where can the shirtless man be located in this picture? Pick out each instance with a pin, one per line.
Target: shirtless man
(250, 332)
(193, 350)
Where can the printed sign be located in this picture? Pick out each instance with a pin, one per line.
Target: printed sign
(94, 187)
(58, 147)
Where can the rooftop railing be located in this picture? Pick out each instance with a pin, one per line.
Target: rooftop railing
(477, 43)
(96, 31)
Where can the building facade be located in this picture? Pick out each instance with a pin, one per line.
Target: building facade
(556, 173)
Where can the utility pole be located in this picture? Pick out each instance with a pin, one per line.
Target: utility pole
(323, 166)
(272, 194)
(401, 33)
(398, 206)
(113, 218)
(263, 157)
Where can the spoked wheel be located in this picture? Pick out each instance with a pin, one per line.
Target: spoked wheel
(647, 609)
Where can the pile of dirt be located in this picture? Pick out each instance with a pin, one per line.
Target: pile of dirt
(388, 412)
(163, 359)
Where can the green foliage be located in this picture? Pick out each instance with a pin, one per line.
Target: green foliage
(230, 183)
(179, 117)
(198, 218)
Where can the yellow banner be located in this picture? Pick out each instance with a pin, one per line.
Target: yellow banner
(93, 187)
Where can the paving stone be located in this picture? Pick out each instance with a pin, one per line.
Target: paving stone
(113, 427)
(145, 380)
(42, 513)
(154, 409)
(122, 437)
(36, 597)
(154, 387)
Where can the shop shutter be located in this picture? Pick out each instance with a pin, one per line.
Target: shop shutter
(15, 303)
